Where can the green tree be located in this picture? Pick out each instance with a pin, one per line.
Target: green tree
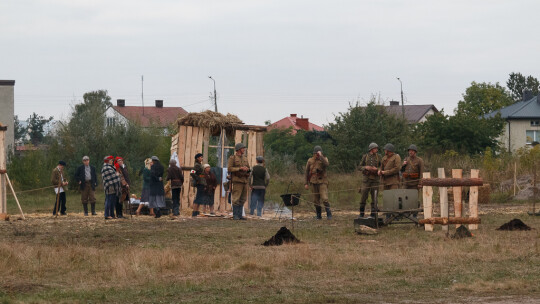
(354, 130)
(483, 98)
(517, 83)
(35, 128)
(20, 131)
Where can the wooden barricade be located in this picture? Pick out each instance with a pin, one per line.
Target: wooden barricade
(456, 182)
(3, 163)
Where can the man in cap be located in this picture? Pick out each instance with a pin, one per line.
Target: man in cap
(87, 179)
(258, 181)
(390, 166)
(238, 167)
(316, 177)
(369, 166)
(59, 182)
(175, 175)
(412, 168)
(200, 183)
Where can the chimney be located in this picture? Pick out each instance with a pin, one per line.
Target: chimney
(121, 102)
(527, 94)
(303, 123)
(293, 115)
(159, 103)
(394, 103)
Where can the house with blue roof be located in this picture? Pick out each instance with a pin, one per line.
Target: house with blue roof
(522, 122)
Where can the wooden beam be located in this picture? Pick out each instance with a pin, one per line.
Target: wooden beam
(452, 182)
(449, 220)
(206, 142)
(457, 173)
(260, 143)
(473, 200)
(428, 202)
(443, 197)
(3, 197)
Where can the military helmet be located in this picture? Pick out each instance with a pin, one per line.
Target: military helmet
(413, 147)
(239, 146)
(389, 147)
(372, 146)
(317, 149)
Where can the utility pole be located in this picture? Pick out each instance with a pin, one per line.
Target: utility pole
(215, 96)
(402, 105)
(142, 93)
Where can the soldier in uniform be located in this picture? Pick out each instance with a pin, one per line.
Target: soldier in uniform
(391, 164)
(239, 169)
(369, 165)
(412, 168)
(316, 177)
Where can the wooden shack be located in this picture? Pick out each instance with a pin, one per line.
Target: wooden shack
(200, 132)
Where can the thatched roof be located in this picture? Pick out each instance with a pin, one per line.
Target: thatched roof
(209, 119)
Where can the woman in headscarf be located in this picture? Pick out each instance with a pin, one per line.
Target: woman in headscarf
(157, 192)
(111, 186)
(210, 189)
(147, 179)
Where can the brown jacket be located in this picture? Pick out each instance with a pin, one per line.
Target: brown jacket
(412, 171)
(390, 166)
(235, 162)
(57, 178)
(373, 160)
(316, 170)
(175, 175)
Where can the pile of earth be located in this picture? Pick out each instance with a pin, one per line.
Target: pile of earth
(283, 236)
(515, 224)
(462, 232)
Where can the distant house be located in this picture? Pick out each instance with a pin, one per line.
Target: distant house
(7, 112)
(297, 123)
(522, 122)
(413, 113)
(157, 115)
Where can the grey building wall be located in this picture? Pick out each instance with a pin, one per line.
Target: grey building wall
(7, 110)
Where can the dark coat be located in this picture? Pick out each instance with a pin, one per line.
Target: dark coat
(80, 177)
(175, 175)
(156, 173)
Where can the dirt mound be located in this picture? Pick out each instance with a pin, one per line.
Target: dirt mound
(462, 232)
(283, 236)
(515, 224)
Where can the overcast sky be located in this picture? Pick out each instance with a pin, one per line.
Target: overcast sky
(269, 58)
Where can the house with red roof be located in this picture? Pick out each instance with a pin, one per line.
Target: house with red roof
(297, 123)
(157, 115)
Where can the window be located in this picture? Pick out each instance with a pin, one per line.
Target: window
(535, 123)
(111, 121)
(532, 136)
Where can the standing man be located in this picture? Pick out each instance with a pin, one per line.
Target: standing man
(258, 181)
(316, 177)
(59, 182)
(175, 175)
(369, 165)
(111, 186)
(239, 169)
(412, 168)
(126, 182)
(87, 179)
(391, 164)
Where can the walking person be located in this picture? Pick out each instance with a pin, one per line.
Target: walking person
(87, 179)
(369, 166)
(199, 182)
(258, 181)
(238, 167)
(316, 177)
(125, 182)
(175, 175)
(157, 192)
(111, 185)
(390, 166)
(59, 182)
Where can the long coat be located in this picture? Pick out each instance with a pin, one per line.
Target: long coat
(156, 173)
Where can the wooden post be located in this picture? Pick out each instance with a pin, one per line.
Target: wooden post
(443, 197)
(458, 207)
(3, 198)
(15, 196)
(473, 200)
(515, 177)
(428, 203)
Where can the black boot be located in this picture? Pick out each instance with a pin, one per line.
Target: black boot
(328, 213)
(318, 210)
(362, 209)
(194, 214)
(85, 207)
(373, 211)
(158, 213)
(235, 209)
(93, 208)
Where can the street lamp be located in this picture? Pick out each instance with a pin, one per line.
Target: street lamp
(402, 105)
(215, 96)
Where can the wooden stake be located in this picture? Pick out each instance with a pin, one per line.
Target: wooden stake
(443, 197)
(428, 203)
(450, 220)
(15, 196)
(3, 197)
(457, 173)
(473, 200)
(515, 177)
